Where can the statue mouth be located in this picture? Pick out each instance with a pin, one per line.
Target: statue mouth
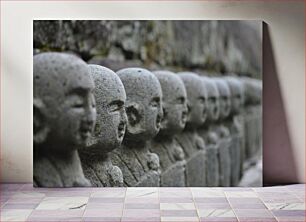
(121, 130)
(184, 118)
(85, 132)
(158, 121)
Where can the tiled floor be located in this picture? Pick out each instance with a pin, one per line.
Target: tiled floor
(22, 202)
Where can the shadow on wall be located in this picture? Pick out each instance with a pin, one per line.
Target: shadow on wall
(278, 161)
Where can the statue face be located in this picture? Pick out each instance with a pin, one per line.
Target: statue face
(196, 95)
(64, 105)
(224, 97)
(174, 102)
(237, 98)
(110, 102)
(213, 106)
(144, 98)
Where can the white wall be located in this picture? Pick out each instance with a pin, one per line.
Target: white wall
(285, 20)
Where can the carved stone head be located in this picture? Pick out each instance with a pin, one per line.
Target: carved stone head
(213, 106)
(196, 94)
(174, 103)
(143, 104)
(224, 97)
(237, 94)
(110, 104)
(64, 105)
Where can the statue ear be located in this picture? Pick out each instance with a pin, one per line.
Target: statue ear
(40, 127)
(133, 113)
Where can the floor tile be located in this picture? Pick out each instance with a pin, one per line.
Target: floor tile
(142, 192)
(179, 213)
(141, 206)
(142, 200)
(216, 213)
(253, 219)
(141, 213)
(248, 205)
(140, 219)
(14, 214)
(259, 213)
(210, 200)
(57, 213)
(110, 193)
(207, 192)
(105, 200)
(109, 206)
(240, 194)
(176, 200)
(213, 205)
(20, 206)
(179, 219)
(218, 219)
(177, 206)
(101, 219)
(285, 206)
(289, 213)
(245, 200)
(103, 213)
(62, 203)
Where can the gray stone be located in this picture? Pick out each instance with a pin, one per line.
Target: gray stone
(235, 123)
(171, 154)
(252, 115)
(139, 166)
(221, 46)
(210, 137)
(192, 144)
(64, 118)
(224, 98)
(109, 129)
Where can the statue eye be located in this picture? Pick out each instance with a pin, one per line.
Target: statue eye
(181, 100)
(76, 102)
(155, 102)
(202, 99)
(212, 99)
(115, 106)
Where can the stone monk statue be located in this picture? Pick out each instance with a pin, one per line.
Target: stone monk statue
(192, 144)
(64, 118)
(139, 166)
(171, 154)
(109, 130)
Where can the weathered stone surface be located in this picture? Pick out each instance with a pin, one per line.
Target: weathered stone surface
(235, 123)
(211, 138)
(64, 118)
(212, 161)
(140, 167)
(109, 129)
(224, 162)
(219, 46)
(252, 115)
(192, 144)
(172, 157)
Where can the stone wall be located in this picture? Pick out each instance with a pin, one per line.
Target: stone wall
(202, 46)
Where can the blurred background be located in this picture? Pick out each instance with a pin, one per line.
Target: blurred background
(203, 46)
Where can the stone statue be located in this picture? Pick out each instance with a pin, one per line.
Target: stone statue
(109, 130)
(139, 166)
(192, 144)
(225, 157)
(252, 116)
(235, 124)
(210, 137)
(64, 118)
(171, 154)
